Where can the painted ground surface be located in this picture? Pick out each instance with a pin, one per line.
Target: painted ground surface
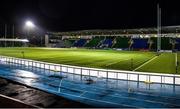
(106, 59)
(93, 91)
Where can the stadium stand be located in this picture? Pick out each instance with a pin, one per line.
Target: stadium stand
(80, 43)
(165, 43)
(60, 44)
(128, 42)
(94, 42)
(11, 44)
(177, 46)
(173, 43)
(152, 43)
(121, 42)
(99, 38)
(140, 43)
(107, 42)
(69, 42)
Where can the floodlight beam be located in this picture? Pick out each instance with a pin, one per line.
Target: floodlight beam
(30, 24)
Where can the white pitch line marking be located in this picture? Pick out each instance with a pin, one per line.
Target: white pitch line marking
(116, 62)
(145, 63)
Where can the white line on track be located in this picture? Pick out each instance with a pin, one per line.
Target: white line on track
(118, 90)
(145, 63)
(82, 93)
(120, 96)
(117, 104)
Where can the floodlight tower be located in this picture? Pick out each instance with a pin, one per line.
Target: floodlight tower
(29, 25)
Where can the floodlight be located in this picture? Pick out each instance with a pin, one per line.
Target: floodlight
(30, 24)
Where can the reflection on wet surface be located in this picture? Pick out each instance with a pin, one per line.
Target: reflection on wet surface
(94, 91)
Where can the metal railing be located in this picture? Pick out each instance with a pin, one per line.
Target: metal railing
(100, 73)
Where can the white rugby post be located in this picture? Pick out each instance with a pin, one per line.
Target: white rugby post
(158, 28)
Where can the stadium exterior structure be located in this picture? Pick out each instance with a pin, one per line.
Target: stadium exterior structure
(56, 39)
(166, 30)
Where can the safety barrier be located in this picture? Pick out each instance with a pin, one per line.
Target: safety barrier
(100, 73)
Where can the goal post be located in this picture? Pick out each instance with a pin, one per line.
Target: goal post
(158, 28)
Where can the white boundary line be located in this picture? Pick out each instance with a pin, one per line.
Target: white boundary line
(83, 93)
(146, 63)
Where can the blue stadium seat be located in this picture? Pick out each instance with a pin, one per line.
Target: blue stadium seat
(178, 44)
(80, 43)
(108, 43)
(140, 43)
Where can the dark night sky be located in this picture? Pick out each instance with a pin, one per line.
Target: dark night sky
(68, 15)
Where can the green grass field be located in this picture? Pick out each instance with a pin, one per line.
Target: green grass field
(106, 59)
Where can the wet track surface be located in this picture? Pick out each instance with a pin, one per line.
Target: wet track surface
(97, 92)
